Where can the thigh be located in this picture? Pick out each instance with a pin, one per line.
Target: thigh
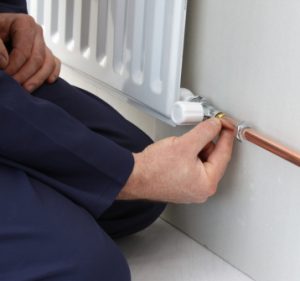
(45, 236)
(95, 114)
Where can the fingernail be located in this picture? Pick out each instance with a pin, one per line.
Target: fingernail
(30, 88)
(52, 79)
(214, 121)
(3, 60)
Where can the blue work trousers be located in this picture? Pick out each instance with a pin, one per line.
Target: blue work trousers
(64, 156)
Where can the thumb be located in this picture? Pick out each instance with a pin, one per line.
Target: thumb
(4, 58)
(202, 134)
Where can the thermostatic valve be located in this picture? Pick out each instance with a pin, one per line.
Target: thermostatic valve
(187, 113)
(192, 109)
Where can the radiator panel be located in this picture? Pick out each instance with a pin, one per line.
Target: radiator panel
(133, 46)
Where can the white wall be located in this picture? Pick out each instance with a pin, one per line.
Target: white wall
(244, 55)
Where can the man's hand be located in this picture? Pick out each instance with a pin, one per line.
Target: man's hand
(29, 62)
(184, 169)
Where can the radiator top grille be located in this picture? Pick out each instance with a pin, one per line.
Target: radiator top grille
(133, 46)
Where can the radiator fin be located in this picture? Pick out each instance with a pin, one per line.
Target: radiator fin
(134, 46)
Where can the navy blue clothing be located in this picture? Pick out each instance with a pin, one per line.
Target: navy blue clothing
(64, 156)
(78, 159)
(58, 206)
(13, 6)
(123, 217)
(44, 236)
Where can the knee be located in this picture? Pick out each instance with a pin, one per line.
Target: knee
(131, 137)
(95, 114)
(139, 140)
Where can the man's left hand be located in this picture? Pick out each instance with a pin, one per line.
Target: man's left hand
(30, 62)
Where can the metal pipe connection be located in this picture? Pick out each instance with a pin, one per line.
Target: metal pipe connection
(194, 109)
(244, 132)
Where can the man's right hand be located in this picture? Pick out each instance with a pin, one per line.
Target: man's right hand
(184, 169)
(30, 62)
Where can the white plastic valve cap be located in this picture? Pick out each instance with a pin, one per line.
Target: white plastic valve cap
(187, 113)
(186, 95)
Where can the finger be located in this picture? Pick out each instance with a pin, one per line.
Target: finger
(34, 63)
(207, 150)
(55, 74)
(202, 134)
(3, 55)
(219, 158)
(41, 76)
(22, 32)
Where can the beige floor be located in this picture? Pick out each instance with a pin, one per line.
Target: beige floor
(162, 253)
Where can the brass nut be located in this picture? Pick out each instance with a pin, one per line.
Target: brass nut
(220, 115)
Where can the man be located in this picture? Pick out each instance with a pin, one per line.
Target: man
(74, 173)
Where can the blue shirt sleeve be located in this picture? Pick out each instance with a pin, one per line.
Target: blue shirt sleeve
(13, 6)
(41, 139)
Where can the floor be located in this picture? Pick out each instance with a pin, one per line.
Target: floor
(162, 253)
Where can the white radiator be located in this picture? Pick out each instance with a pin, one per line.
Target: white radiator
(133, 46)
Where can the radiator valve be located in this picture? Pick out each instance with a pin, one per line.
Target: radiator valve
(192, 109)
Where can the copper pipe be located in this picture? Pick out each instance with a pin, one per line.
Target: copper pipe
(264, 142)
(272, 146)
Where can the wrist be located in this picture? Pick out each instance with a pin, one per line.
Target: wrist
(132, 189)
